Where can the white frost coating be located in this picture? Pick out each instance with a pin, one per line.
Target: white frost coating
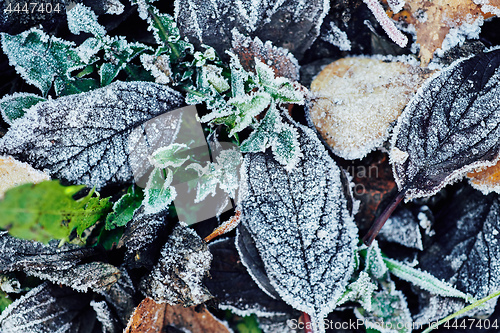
(402, 228)
(177, 277)
(114, 7)
(361, 291)
(453, 108)
(14, 173)
(337, 38)
(386, 23)
(396, 5)
(83, 138)
(104, 316)
(425, 280)
(82, 19)
(158, 66)
(457, 36)
(96, 276)
(490, 9)
(284, 211)
(14, 106)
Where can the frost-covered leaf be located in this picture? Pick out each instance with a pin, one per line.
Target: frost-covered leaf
(279, 59)
(22, 255)
(290, 24)
(465, 250)
(224, 172)
(48, 211)
(143, 239)
(161, 317)
(14, 106)
(424, 280)
(248, 107)
(170, 156)
(82, 19)
(84, 138)
(177, 278)
(389, 313)
(360, 290)
(14, 173)
(402, 228)
(450, 127)
(121, 296)
(357, 100)
(96, 276)
(486, 180)
(233, 287)
(40, 59)
(300, 224)
(158, 194)
(124, 209)
(50, 308)
(280, 136)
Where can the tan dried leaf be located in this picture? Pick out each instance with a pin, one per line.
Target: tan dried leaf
(434, 19)
(14, 173)
(357, 99)
(151, 317)
(486, 180)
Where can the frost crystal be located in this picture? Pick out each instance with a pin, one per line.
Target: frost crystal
(300, 224)
(337, 38)
(83, 138)
(82, 19)
(176, 279)
(450, 127)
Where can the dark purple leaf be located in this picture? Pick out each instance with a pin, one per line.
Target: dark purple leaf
(465, 250)
(450, 127)
(300, 224)
(291, 24)
(233, 287)
(85, 138)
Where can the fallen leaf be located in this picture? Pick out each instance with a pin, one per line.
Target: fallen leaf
(300, 224)
(357, 99)
(234, 288)
(151, 317)
(449, 128)
(49, 308)
(279, 59)
(465, 250)
(84, 138)
(486, 180)
(177, 277)
(433, 20)
(211, 22)
(14, 173)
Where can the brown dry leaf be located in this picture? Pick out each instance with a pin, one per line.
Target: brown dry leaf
(151, 317)
(486, 180)
(357, 99)
(434, 19)
(14, 173)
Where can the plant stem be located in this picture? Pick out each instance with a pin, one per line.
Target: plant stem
(380, 221)
(464, 310)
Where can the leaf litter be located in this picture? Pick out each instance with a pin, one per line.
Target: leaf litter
(300, 224)
(84, 138)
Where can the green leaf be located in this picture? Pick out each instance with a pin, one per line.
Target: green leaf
(424, 280)
(82, 19)
(248, 324)
(173, 155)
(48, 211)
(40, 58)
(158, 192)
(76, 86)
(108, 72)
(272, 132)
(124, 209)
(249, 106)
(5, 301)
(13, 106)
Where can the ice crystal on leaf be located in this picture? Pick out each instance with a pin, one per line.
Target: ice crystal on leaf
(14, 106)
(42, 59)
(82, 19)
(176, 279)
(83, 138)
(300, 224)
(158, 192)
(450, 127)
